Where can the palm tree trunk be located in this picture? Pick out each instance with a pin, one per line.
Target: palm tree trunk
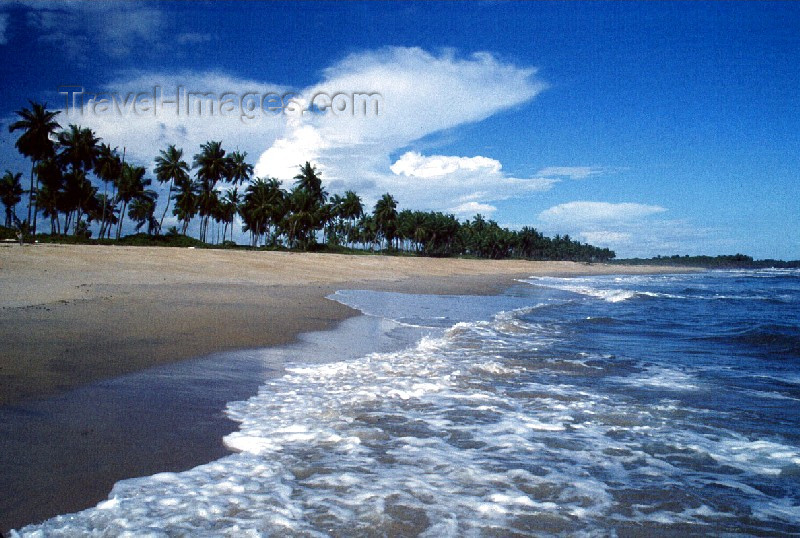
(30, 192)
(105, 203)
(169, 196)
(121, 219)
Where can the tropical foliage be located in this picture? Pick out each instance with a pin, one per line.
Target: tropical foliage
(71, 166)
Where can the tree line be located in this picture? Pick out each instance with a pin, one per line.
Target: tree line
(76, 180)
(725, 261)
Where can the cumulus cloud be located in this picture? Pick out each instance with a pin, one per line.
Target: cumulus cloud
(463, 185)
(469, 209)
(420, 94)
(414, 164)
(144, 133)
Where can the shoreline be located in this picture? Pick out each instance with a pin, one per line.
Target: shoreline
(99, 382)
(71, 315)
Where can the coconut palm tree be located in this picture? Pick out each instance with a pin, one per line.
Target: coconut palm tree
(309, 180)
(212, 167)
(37, 125)
(170, 167)
(239, 171)
(385, 214)
(186, 203)
(49, 196)
(351, 210)
(230, 207)
(10, 194)
(78, 149)
(142, 211)
(104, 212)
(263, 207)
(132, 185)
(108, 168)
(334, 219)
(77, 197)
(304, 218)
(48, 202)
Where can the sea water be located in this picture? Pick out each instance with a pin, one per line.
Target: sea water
(609, 405)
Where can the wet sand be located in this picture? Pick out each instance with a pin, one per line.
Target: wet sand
(74, 320)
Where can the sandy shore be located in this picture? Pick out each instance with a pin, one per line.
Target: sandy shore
(73, 319)
(70, 315)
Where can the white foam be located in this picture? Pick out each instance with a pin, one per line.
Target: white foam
(455, 436)
(661, 378)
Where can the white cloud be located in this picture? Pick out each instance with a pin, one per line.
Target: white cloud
(414, 164)
(79, 28)
(605, 237)
(3, 28)
(470, 209)
(462, 184)
(572, 172)
(580, 213)
(144, 133)
(630, 229)
(421, 93)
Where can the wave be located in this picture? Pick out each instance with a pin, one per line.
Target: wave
(507, 424)
(637, 288)
(777, 339)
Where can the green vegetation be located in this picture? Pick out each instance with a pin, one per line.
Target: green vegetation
(735, 261)
(70, 167)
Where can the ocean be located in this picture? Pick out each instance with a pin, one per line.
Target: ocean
(655, 405)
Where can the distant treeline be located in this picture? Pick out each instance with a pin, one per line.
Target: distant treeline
(76, 181)
(730, 261)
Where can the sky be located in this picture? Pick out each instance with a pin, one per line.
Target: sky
(651, 128)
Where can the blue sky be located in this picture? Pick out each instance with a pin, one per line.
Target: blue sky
(648, 127)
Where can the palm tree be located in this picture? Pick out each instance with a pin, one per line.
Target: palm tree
(10, 193)
(78, 196)
(132, 185)
(142, 211)
(171, 167)
(303, 218)
(49, 196)
(264, 206)
(230, 207)
(239, 171)
(385, 214)
(351, 210)
(334, 219)
(37, 125)
(48, 201)
(78, 148)
(309, 180)
(108, 168)
(212, 167)
(105, 213)
(186, 203)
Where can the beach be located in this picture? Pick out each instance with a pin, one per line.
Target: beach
(95, 376)
(71, 315)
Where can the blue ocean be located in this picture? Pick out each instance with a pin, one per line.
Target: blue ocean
(648, 405)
